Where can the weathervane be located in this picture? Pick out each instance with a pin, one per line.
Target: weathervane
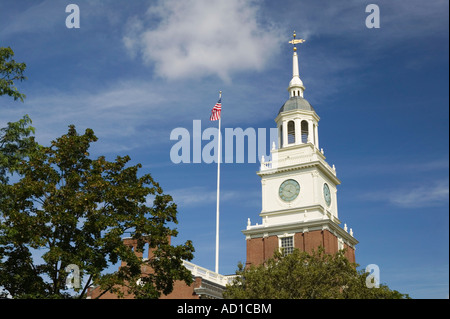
(295, 41)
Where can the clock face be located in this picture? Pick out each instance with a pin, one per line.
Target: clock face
(289, 190)
(327, 194)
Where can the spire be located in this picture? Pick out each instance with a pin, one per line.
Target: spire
(296, 86)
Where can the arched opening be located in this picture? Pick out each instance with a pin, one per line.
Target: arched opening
(295, 93)
(304, 129)
(280, 136)
(291, 132)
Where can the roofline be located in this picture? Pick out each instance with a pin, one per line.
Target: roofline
(297, 111)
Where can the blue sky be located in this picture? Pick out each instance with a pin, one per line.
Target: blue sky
(136, 70)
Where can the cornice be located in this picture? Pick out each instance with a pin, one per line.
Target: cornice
(301, 227)
(294, 167)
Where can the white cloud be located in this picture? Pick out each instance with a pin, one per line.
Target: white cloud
(427, 195)
(422, 196)
(124, 115)
(201, 38)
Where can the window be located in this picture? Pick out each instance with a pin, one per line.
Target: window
(291, 132)
(287, 245)
(340, 244)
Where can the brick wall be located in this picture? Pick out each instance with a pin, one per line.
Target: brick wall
(180, 290)
(261, 249)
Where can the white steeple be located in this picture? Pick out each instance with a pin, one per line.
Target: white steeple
(296, 86)
(298, 187)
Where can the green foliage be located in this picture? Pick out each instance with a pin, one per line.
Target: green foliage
(75, 210)
(305, 276)
(16, 142)
(10, 71)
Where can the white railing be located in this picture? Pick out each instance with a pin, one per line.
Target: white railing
(207, 274)
(266, 165)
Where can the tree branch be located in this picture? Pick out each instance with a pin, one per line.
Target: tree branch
(85, 287)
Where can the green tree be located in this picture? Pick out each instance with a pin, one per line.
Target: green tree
(74, 210)
(10, 71)
(16, 140)
(305, 276)
(16, 143)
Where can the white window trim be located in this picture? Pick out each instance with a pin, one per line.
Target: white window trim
(286, 235)
(340, 243)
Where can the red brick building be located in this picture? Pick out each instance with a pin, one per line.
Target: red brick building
(261, 247)
(206, 284)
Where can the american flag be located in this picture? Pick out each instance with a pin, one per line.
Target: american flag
(215, 114)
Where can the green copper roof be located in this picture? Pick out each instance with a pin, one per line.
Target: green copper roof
(296, 103)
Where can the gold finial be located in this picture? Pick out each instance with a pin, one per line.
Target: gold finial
(295, 41)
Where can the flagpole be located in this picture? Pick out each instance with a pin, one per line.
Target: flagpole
(218, 191)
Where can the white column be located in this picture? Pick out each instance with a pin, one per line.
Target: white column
(285, 133)
(317, 135)
(310, 132)
(298, 131)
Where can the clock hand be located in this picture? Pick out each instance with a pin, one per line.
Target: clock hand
(290, 191)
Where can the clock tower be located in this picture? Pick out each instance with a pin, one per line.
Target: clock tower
(299, 188)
